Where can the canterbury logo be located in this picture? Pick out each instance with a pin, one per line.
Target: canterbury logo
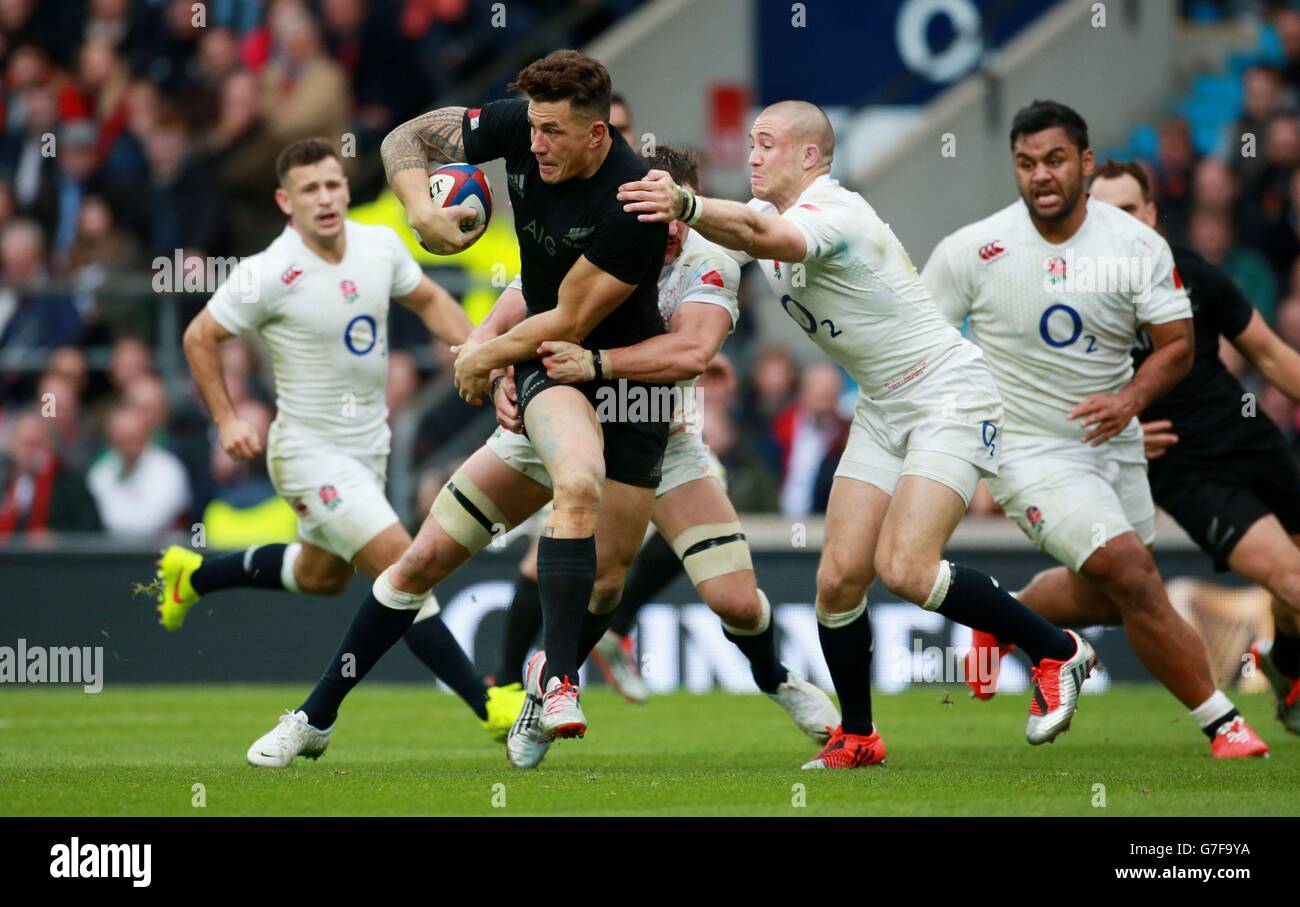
(991, 251)
(1217, 541)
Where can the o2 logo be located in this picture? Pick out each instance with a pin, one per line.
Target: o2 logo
(1076, 328)
(989, 434)
(361, 335)
(805, 318)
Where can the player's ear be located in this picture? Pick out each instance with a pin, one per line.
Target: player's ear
(1089, 161)
(282, 199)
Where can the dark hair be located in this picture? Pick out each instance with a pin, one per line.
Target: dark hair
(568, 75)
(1042, 115)
(1114, 169)
(301, 153)
(682, 164)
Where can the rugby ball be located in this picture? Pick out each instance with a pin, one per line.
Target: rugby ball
(462, 184)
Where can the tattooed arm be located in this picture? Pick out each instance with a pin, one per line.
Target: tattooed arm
(431, 138)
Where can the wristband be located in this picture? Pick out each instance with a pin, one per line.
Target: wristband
(496, 383)
(597, 367)
(697, 211)
(605, 368)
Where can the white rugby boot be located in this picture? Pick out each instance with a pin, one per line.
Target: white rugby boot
(291, 738)
(1056, 686)
(808, 706)
(526, 745)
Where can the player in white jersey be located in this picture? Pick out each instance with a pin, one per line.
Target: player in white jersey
(927, 423)
(318, 297)
(697, 298)
(1056, 288)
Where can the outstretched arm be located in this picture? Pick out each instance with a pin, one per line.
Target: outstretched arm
(732, 224)
(431, 138)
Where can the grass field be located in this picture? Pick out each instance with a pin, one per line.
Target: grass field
(405, 750)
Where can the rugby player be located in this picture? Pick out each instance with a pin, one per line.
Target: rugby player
(318, 297)
(1224, 474)
(927, 422)
(697, 298)
(1073, 473)
(590, 275)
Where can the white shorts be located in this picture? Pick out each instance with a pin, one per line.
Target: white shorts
(339, 497)
(1070, 499)
(686, 458)
(944, 427)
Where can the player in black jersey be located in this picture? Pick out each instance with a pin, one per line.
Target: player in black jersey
(1224, 473)
(590, 275)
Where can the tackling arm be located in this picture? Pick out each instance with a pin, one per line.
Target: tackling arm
(737, 226)
(695, 335)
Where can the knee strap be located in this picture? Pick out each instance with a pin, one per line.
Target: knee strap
(712, 550)
(467, 514)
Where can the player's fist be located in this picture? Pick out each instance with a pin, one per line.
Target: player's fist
(566, 361)
(654, 198)
(239, 439)
(1158, 437)
(470, 376)
(505, 396)
(446, 231)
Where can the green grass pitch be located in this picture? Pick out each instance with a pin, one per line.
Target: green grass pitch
(408, 750)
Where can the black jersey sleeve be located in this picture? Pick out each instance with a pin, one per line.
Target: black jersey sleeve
(498, 129)
(1232, 311)
(625, 247)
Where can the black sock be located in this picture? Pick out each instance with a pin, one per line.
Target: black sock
(1286, 653)
(976, 600)
(523, 622)
(847, 650)
(434, 645)
(1212, 730)
(226, 571)
(593, 628)
(566, 573)
(760, 649)
(656, 566)
(375, 629)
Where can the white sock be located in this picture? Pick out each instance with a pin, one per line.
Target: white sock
(1212, 710)
(287, 578)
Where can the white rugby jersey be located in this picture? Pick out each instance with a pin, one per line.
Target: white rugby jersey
(702, 272)
(1056, 322)
(326, 326)
(857, 294)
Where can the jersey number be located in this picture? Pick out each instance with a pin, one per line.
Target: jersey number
(805, 319)
(1076, 328)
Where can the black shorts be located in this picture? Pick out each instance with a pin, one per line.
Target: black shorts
(635, 439)
(1217, 502)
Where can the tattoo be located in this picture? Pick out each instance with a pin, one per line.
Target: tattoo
(431, 138)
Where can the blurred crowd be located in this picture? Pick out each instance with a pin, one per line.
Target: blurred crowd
(166, 128)
(1240, 207)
